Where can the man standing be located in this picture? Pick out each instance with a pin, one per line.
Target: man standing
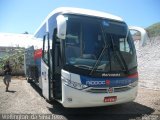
(7, 74)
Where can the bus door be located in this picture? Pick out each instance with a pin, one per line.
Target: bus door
(57, 66)
(45, 67)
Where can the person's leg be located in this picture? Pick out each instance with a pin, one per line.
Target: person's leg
(8, 80)
(4, 80)
(7, 86)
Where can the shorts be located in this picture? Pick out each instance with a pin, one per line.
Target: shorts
(7, 78)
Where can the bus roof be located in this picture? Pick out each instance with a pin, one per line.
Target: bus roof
(80, 11)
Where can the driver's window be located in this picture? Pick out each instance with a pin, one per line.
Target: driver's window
(73, 49)
(73, 34)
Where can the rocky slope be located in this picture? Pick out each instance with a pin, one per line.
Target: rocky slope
(149, 64)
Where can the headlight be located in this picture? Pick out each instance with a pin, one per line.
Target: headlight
(73, 84)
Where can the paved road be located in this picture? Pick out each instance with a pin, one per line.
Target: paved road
(25, 99)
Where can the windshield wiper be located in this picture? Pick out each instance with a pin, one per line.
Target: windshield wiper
(98, 60)
(83, 66)
(107, 45)
(119, 57)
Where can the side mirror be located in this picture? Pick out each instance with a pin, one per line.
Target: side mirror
(142, 37)
(61, 27)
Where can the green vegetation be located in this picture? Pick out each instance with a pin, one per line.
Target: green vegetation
(16, 58)
(154, 30)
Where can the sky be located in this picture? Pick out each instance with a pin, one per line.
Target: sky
(18, 16)
(21, 40)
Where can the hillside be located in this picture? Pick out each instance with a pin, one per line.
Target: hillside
(149, 59)
(154, 30)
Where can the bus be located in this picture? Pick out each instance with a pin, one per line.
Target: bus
(87, 58)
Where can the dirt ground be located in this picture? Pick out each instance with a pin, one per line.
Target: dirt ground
(24, 98)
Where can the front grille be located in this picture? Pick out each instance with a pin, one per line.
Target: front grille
(97, 90)
(109, 90)
(122, 89)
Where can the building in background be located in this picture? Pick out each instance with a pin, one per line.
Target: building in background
(12, 48)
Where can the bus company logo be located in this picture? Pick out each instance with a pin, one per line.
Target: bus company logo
(95, 82)
(110, 90)
(108, 82)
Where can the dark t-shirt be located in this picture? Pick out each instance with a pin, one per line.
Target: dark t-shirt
(7, 70)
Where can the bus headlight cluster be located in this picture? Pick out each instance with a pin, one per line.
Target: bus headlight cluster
(74, 84)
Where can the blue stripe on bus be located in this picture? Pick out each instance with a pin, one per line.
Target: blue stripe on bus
(107, 82)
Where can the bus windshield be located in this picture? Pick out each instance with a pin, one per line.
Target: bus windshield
(99, 45)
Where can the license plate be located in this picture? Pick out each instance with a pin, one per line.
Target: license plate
(110, 99)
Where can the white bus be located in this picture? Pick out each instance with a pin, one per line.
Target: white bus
(88, 59)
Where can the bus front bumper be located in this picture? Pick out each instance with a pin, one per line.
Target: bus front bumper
(73, 98)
